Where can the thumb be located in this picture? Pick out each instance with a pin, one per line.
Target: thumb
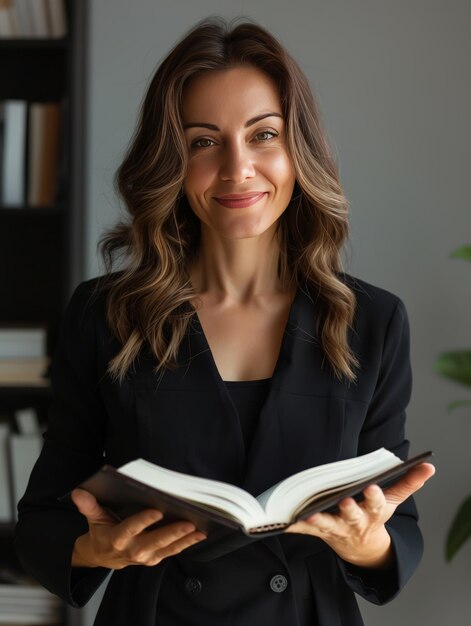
(412, 482)
(88, 506)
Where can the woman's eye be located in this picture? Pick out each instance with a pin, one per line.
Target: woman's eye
(198, 143)
(267, 132)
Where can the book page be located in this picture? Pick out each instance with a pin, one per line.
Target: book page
(240, 504)
(282, 501)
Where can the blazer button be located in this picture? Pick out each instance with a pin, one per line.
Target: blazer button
(193, 586)
(278, 583)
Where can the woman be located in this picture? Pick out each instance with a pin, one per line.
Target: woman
(230, 346)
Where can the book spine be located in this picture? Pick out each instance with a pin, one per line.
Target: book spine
(25, 23)
(44, 142)
(9, 26)
(22, 343)
(24, 450)
(6, 508)
(57, 18)
(13, 171)
(38, 12)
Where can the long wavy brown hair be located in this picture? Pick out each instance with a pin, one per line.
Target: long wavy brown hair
(148, 302)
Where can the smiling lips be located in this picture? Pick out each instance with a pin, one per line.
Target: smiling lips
(240, 200)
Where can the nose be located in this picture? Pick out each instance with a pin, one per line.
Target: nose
(237, 163)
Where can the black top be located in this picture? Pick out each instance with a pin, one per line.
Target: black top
(248, 397)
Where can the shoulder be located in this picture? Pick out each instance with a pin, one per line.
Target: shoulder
(373, 299)
(87, 305)
(91, 294)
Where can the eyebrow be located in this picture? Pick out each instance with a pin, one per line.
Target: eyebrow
(249, 122)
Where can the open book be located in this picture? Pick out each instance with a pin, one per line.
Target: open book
(209, 503)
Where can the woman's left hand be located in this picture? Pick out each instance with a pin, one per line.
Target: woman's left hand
(357, 533)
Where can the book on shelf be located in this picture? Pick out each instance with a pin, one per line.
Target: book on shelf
(28, 604)
(32, 19)
(23, 359)
(6, 508)
(30, 149)
(43, 153)
(18, 342)
(23, 452)
(24, 372)
(8, 19)
(18, 453)
(13, 150)
(210, 504)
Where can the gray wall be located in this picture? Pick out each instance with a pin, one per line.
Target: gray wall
(392, 79)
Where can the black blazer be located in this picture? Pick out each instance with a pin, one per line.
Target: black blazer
(189, 423)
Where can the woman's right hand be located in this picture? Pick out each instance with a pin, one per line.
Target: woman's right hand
(114, 545)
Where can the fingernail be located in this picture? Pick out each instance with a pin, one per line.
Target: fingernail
(200, 537)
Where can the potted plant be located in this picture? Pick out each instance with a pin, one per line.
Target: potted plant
(456, 365)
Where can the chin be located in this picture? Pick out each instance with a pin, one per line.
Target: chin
(249, 230)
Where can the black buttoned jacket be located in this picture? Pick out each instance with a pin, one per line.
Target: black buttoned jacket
(188, 422)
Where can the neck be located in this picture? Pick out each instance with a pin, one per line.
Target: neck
(237, 270)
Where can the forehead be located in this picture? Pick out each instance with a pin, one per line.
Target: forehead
(236, 92)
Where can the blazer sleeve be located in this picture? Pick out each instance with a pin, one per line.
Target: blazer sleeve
(385, 426)
(72, 450)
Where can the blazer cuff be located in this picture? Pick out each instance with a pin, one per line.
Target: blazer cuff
(49, 537)
(379, 586)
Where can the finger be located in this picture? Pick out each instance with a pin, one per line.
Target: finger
(165, 541)
(180, 544)
(350, 512)
(168, 534)
(88, 506)
(374, 500)
(128, 529)
(412, 482)
(318, 525)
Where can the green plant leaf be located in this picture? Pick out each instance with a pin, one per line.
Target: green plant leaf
(455, 365)
(458, 404)
(460, 529)
(462, 253)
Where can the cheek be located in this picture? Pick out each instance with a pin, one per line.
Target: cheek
(200, 170)
(280, 170)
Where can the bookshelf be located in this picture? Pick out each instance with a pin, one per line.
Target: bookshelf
(41, 247)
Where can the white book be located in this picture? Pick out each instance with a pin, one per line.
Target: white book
(6, 509)
(25, 25)
(14, 618)
(24, 451)
(209, 503)
(27, 422)
(26, 591)
(2, 139)
(14, 153)
(39, 19)
(28, 342)
(57, 18)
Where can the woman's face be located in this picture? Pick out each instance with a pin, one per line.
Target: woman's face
(236, 140)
